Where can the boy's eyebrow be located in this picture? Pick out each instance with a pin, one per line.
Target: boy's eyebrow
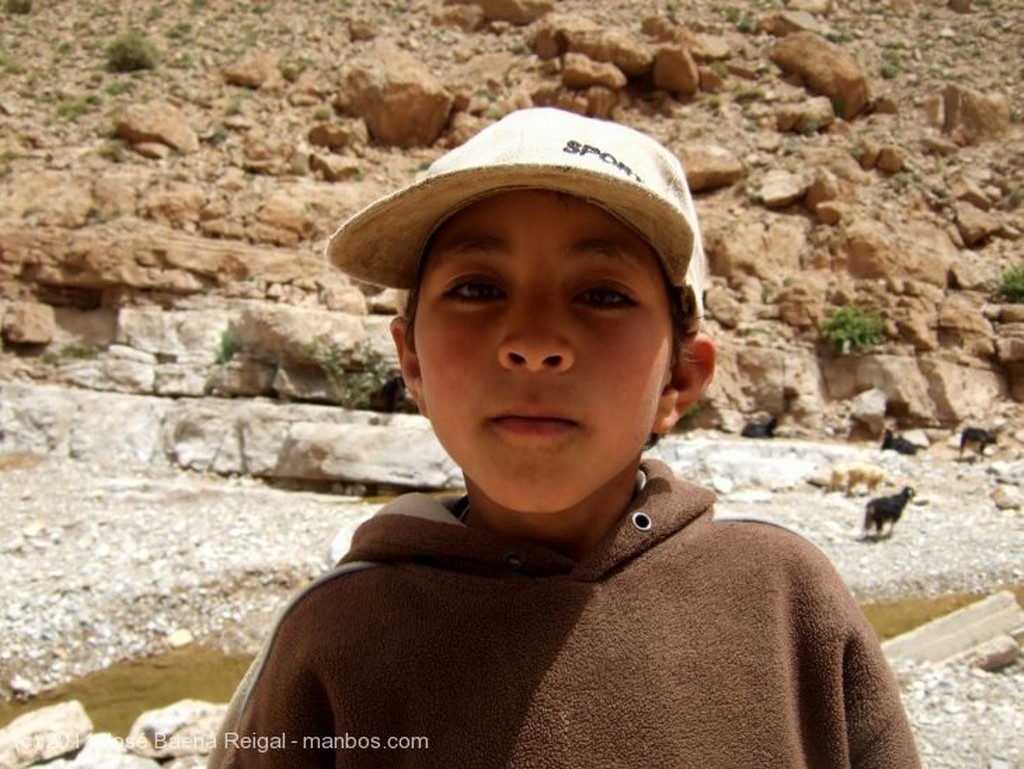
(470, 241)
(611, 248)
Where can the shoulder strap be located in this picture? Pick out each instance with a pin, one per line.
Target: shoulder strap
(220, 757)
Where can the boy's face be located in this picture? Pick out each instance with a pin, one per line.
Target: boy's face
(543, 350)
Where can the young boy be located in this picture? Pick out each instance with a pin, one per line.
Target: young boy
(579, 606)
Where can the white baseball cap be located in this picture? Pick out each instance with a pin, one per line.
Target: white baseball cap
(622, 170)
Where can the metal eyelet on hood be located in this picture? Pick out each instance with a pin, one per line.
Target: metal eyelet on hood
(642, 521)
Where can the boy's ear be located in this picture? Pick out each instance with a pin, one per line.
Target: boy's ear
(408, 362)
(689, 376)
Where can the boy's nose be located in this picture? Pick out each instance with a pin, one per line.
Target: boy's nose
(535, 354)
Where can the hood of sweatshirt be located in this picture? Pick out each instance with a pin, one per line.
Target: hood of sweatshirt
(417, 528)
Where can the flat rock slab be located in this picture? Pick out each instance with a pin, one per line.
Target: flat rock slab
(950, 637)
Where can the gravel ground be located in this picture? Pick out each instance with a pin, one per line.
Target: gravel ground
(103, 564)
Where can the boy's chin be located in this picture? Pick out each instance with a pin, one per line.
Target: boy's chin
(550, 496)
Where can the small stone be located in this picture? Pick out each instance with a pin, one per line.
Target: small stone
(22, 686)
(179, 638)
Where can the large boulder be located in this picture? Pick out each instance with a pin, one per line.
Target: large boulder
(558, 35)
(710, 166)
(675, 70)
(28, 323)
(44, 734)
(517, 12)
(185, 728)
(972, 117)
(258, 69)
(157, 122)
(826, 68)
(765, 248)
(175, 334)
(907, 390)
(399, 98)
(961, 392)
(879, 249)
(403, 453)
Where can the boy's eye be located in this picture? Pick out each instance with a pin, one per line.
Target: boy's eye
(606, 298)
(474, 291)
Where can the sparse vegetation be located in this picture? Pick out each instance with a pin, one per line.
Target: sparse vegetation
(290, 69)
(746, 95)
(6, 156)
(70, 352)
(18, 7)
(357, 375)
(9, 66)
(890, 69)
(75, 108)
(1011, 285)
(119, 88)
(742, 20)
(228, 346)
(852, 328)
(180, 31)
(131, 52)
(114, 151)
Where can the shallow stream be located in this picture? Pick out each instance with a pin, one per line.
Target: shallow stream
(114, 697)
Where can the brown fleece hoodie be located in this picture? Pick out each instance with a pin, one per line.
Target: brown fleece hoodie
(685, 643)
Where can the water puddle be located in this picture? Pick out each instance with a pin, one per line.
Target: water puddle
(114, 697)
(891, 618)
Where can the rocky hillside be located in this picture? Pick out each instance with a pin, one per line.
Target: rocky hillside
(170, 171)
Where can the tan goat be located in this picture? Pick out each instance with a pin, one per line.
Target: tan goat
(849, 475)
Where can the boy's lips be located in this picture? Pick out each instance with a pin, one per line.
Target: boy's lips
(529, 421)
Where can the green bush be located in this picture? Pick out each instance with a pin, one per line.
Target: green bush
(75, 108)
(131, 52)
(357, 375)
(1012, 284)
(228, 346)
(71, 352)
(852, 328)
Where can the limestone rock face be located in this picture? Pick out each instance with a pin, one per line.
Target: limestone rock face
(28, 323)
(765, 250)
(905, 387)
(917, 250)
(837, 157)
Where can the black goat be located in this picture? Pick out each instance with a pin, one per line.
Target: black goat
(764, 428)
(898, 444)
(977, 437)
(882, 510)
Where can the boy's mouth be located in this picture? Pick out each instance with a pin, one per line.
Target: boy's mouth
(528, 423)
